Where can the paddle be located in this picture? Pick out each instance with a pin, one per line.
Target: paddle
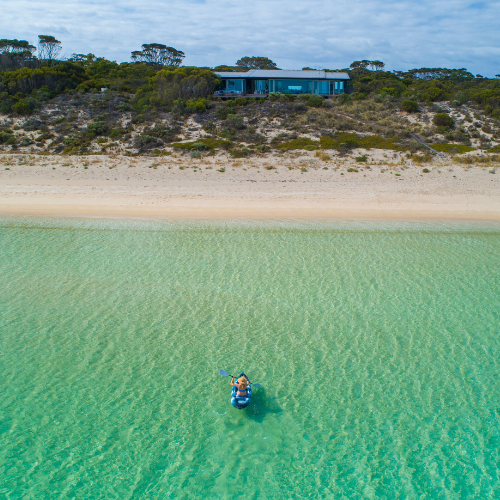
(225, 374)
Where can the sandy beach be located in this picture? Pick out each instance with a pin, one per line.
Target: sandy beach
(219, 187)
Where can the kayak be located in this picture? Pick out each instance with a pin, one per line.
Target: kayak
(239, 402)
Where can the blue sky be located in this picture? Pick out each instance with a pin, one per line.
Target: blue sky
(318, 33)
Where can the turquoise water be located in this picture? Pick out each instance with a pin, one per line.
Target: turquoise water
(377, 345)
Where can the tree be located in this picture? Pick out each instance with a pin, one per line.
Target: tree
(158, 55)
(497, 76)
(83, 59)
(184, 83)
(48, 49)
(225, 67)
(15, 53)
(256, 63)
(377, 65)
(16, 47)
(359, 65)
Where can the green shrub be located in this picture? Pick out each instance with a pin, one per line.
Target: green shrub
(7, 138)
(6, 105)
(166, 134)
(346, 141)
(242, 101)
(385, 91)
(209, 127)
(409, 106)
(460, 100)
(300, 107)
(315, 101)
(443, 120)
(25, 141)
(233, 123)
(22, 107)
(362, 159)
(73, 141)
(222, 112)
(453, 148)
(199, 105)
(425, 170)
(240, 152)
(300, 143)
(200, 146)
(145, 142)
(117, 132)
(210, 143)
(33, 124)
(98, 128)
(344, 98)
(195, 154)
(433, 94)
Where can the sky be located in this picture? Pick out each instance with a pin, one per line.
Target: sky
(323, 34)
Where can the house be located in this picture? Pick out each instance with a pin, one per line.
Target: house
(263, 81)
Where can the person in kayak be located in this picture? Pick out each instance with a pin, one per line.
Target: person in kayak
(241, 385)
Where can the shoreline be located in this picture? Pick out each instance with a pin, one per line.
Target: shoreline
(244, 213)
(178, 188)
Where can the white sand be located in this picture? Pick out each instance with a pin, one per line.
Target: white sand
(147, 187)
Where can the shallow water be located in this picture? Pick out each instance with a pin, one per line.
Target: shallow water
(377, 345)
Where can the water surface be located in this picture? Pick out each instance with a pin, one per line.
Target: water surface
(377, 345)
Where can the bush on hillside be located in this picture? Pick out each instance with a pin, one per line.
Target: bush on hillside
(146, 142)
(98, 128)
(7, 138)
(443, 120)
(315, 101)
(233, 123)
(409, 106)
(433, 94)
(222, 112)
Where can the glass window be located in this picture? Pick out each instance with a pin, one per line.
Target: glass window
(324, 87)
(293, 86)
(235, 85)
(261, 86)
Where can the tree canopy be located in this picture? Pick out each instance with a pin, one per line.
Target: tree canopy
(16, 46)
(256, 63)
(158, 55)
(374, 65)
(48, 48)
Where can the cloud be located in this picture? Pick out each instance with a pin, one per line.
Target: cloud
(404, 34)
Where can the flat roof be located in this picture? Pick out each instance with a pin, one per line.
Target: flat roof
(266, 74)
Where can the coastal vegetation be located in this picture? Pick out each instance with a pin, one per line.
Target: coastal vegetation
(154, 105)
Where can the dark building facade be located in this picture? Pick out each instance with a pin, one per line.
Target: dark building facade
(262, 82)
